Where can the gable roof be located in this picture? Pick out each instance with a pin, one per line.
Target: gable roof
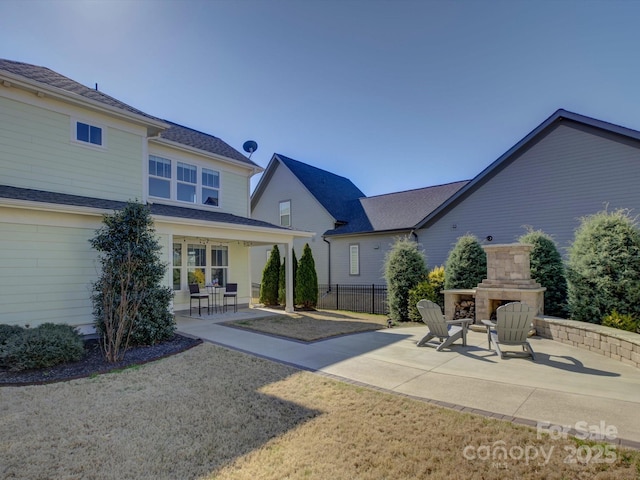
(337, 195)
(170, 131)
(559, 116)
(404, 210)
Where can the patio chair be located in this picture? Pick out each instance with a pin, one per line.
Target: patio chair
(231, 291)
(512, 326)
(196, 294)
(447, 331)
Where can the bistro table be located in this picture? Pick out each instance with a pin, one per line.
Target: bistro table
(214, 292)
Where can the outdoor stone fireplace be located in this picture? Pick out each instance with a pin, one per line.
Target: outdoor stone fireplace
(508, 280)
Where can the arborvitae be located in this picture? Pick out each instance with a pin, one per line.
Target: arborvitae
(547, 268)
(466, 265)
(306, 280)
(404, 268)
(270, 279)
(603, 270)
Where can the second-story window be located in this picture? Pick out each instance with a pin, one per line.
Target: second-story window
(88, 134)
(159, 177)
(210, 187)
(285, 213)
(187, 181)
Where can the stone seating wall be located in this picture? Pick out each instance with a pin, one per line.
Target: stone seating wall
(611, 342)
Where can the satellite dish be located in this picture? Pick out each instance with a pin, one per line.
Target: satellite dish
(250, 146)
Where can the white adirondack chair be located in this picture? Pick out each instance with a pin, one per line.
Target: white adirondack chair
(446, 331)
(512, 326)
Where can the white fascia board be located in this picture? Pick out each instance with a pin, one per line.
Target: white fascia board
(254, 169)
(17, 81)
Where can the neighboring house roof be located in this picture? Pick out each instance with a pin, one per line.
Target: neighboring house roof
(560, 116)
(41, 196)
(175, 133)
(404, 210)
(337, 195)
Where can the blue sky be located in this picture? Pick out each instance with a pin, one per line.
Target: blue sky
(393, 95)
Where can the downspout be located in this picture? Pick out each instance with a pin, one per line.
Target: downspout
(329, 262)
(415, 235)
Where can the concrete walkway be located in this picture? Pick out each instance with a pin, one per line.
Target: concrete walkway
(565, 387)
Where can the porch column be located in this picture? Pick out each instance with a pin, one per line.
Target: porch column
(288, 257)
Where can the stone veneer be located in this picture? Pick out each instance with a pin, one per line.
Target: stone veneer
(508, 279)
(611, 342)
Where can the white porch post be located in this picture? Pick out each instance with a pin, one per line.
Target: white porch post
(289, 305)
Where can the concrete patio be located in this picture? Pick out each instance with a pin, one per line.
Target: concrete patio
(566, 387)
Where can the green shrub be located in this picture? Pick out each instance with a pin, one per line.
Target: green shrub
(306, 280)
(7, 331)
(404, 269)
(270, 278)
(282, 283)
(466, 264)
(42, 347)
(622, 321)
(547, 268)
(129, 296)
(429, 289)
(603, 270)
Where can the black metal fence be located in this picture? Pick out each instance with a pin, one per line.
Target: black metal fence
(354, 298)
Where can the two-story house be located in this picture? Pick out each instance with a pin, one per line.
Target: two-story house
(70, 154)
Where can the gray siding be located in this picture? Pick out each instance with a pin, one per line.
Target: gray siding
(569, 173)
(306, 215)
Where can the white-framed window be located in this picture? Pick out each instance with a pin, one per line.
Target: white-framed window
(89, 134)
(159, 177)
(354, 259)
(219, 264)
(183, 182)
(187, 180)
(285, 213)
(210, 187)
(177, 266)
(196, 263)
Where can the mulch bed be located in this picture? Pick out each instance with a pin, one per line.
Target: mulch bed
(93, 363)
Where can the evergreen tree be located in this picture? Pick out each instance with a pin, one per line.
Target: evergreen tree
(129, 297)
(307, 280)
(282, 283)
(547, 268)
(603, 271)
(466, 265)
(404, 268)
(270, 278)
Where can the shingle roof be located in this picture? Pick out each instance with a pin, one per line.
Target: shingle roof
(53, 79)
(176, 133)
(510, 155)
(203, 141)
(338, 195)
(404, 210)
(27, 194)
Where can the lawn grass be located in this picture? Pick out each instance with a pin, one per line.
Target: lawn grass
(313, 325)
(214, 413)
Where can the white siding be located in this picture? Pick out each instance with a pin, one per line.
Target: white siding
(234, 185)
(36, 151)
(306, 215)
(47, 266)
(568, 174)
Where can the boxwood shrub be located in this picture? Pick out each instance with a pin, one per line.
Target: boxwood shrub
(42, 347)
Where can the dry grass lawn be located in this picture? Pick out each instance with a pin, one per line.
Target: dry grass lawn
(212, 413)
(312, 326)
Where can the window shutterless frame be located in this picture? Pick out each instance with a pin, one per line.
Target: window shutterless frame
(88, 133)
